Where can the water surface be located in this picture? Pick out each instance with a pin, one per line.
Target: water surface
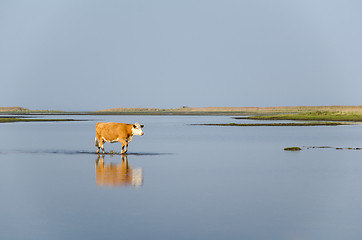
(179, 181)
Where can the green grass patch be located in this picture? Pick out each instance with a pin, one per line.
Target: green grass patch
(312, 116)
(292, 149)
(273, 124)
(10, 120)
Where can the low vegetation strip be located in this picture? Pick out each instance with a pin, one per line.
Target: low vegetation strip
(292, 149)
(321, 147)
(10, 120)
(312, 116)
(273, 124)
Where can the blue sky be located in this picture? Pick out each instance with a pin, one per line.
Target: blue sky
(91, 55)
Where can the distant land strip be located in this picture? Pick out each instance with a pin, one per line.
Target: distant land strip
(285, 109)
(227, 111)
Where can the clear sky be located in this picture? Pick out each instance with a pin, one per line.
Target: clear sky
(98, 54)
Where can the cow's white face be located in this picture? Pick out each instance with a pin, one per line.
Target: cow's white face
(137, 129)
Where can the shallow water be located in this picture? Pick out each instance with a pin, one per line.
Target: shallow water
(179, 181)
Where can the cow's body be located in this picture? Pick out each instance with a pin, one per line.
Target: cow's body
(116, 132)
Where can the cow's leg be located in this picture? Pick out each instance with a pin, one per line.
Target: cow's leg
(97, 144)
(124, 146)
(101, 144)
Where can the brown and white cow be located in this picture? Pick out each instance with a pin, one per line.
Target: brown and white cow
(116, 132)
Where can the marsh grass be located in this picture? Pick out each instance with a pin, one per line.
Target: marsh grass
(273, 124)
(10, 120)
(292, 149)
(313, 116)
(321, 147)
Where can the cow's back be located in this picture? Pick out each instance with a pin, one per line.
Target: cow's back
(112, 131)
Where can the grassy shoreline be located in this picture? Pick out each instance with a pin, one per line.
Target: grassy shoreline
(273, 124)
(12, 120)
(312, 116)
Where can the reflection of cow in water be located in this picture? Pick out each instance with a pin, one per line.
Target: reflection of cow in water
(117, 175)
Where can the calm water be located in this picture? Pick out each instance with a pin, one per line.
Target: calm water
(179, 181)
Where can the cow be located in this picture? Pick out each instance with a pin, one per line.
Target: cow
(116, 132)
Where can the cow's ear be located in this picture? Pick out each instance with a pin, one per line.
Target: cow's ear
(142, 126)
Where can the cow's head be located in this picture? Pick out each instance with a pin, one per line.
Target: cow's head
(137, 129)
